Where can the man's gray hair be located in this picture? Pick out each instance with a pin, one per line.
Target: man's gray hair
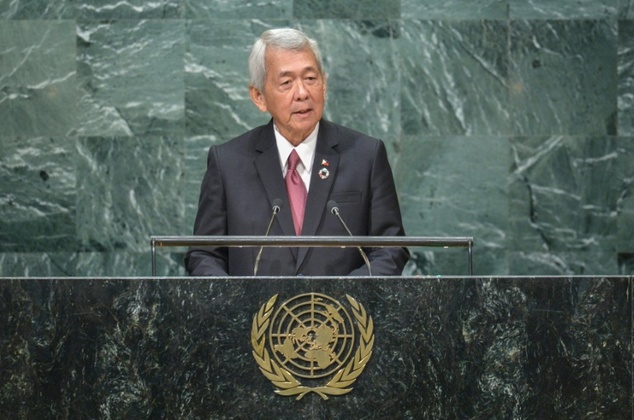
(284, 39)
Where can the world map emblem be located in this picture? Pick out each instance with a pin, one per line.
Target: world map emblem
(312, 343)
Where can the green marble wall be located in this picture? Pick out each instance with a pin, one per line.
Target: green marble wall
(506, 120)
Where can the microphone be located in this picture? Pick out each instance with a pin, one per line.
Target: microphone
(277, 206)
(334, 209)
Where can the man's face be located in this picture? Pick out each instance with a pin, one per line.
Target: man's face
(294, 92)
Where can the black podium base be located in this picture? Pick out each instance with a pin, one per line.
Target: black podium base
(521, 348)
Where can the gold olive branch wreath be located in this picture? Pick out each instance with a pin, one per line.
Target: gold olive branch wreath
(285, 382)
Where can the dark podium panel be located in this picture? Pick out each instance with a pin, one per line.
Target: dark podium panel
(521, 348)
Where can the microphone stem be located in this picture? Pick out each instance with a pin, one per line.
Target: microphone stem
(276, 210)
(363, 254)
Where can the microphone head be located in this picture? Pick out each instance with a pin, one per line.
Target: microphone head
(332, 206)
(277, 205)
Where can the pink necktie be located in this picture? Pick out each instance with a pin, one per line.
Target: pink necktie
(296, 192)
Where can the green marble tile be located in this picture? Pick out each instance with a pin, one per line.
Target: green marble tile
(454, 78)
(626, 9)
(442, 87)
(239, 9)
(37, 264)
(129, 189)
(563, 9)
(625, 189)
(626, 263)
(129, 264)
(362, 66)
(564, 192)
(217, 78)
(346, 9)
(563, 263)
(563, 77)
(129, 9)
(456, 186)
(37, 9)
(131, 74)
(626, 78)
(455, 9)
(436, 262)
(196, 151)
(37, 194)
(38, 94)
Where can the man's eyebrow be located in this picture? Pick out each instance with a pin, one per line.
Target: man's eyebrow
(289, 72)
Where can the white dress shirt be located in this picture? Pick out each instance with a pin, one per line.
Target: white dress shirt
(305, 150)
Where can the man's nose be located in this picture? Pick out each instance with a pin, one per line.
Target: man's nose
(301, 92)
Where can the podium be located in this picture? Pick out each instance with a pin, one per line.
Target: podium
(443, 347)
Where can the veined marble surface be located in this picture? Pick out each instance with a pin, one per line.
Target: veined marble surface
(515, 347)
(521, 348)
(509, 121)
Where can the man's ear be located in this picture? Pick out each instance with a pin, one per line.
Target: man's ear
(257, 98)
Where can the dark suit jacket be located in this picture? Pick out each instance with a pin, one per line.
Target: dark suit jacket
(244, 178)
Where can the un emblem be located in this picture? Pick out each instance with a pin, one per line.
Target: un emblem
(312, 336)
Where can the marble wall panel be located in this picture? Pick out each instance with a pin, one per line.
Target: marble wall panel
(169, 262)
(129, 9)
(196, 151)
(563, 196)
(37, 9)
(625, 198)
(626, 262)
(38, 92)
(38, 194)
(626, 78)
(566, 263)
(36, 264)
(217, 77)
(238, 9)
(363, 72)
(563, 77)
(131, 75)
(440, 197)
(563, 9)
(455, 9)
(454, 78)
(406, 71)
(626, 9)
(129, 189)
(346, 9)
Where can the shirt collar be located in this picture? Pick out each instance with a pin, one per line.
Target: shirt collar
(305, 150)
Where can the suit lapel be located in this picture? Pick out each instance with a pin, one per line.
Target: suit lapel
(325, 158)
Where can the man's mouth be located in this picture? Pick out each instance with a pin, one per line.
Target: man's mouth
(303, 111)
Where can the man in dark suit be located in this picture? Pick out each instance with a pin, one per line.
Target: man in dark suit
(301, 162)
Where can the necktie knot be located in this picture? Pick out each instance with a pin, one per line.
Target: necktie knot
(293, 160)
